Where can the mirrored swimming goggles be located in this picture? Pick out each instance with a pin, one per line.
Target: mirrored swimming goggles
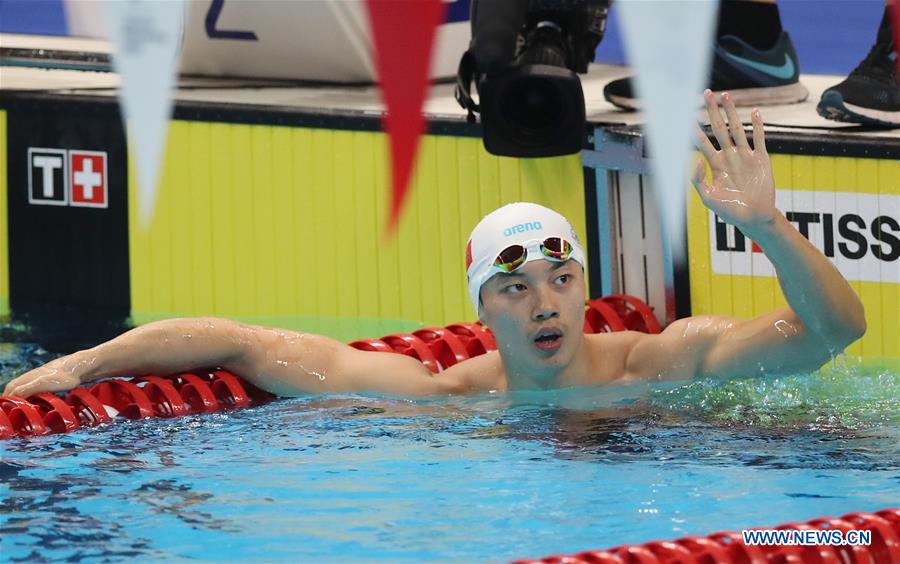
(513, 257)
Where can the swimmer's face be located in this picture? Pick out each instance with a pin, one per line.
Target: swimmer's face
(537, 312)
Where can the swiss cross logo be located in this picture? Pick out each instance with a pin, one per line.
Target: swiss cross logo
(88, 179)
(60, 177)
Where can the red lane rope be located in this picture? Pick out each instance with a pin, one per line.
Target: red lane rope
(58, 415)
(206, 391)
(729, 547)
(125, 397)
(164, 398)
(134, 398)
(635, 314)
(601, 317)
(89, 409)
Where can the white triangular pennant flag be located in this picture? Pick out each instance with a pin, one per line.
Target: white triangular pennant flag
(669, 45)
(146, 37)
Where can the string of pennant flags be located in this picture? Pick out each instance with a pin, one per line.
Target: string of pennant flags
(671, 70)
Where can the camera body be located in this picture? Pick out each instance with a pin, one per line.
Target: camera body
(524, 58)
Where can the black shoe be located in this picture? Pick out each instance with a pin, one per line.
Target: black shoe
(871, 94)
(753, 77)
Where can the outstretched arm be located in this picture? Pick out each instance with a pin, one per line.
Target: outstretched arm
(824, 314)
(283, 362)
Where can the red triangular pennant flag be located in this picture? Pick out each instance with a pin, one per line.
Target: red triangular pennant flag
(403, 32)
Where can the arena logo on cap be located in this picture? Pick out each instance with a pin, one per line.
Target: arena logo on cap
(522, 228)
(860, 233)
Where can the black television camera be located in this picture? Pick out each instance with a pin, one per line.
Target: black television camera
(523, 58)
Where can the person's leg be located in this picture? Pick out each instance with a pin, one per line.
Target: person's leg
(754, 59)
(871, 94)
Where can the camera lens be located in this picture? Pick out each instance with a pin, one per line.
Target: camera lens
(533, 111)
(532, 105)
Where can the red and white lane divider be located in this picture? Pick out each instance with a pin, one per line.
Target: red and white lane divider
(730, 548)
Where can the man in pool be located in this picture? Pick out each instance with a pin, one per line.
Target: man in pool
(526, 280)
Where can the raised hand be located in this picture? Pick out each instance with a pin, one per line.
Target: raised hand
(742, 190)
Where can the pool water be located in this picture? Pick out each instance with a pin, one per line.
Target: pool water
(487, 478)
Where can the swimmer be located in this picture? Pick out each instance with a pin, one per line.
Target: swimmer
(525, 269)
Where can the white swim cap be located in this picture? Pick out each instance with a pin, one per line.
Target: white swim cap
(521, 223)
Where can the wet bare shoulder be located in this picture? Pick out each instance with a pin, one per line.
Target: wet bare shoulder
(609, 354)
(481, 373)
(677, 352)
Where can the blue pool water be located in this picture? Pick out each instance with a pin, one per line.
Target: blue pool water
(490, 478)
